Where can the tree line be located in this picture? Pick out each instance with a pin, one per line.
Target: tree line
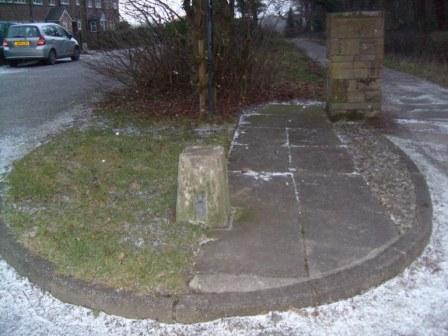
(400, 15)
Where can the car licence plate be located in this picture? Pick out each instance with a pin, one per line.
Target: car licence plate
(21, 43)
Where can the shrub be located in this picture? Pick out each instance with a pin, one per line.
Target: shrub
(420, 45)
(158, 60)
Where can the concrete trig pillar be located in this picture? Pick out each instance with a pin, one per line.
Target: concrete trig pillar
(203, 189)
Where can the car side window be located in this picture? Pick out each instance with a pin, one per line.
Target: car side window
(32, 32)
(49, 31)
(60, 32)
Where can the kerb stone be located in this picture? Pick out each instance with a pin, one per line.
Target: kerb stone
(203, 189)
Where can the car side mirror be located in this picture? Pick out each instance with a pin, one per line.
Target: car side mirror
(69, 36)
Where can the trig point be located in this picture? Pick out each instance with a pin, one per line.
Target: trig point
(203, 190)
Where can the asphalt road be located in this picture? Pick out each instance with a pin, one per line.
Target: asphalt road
(34, 94)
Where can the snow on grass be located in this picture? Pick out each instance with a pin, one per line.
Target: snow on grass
(21, 141)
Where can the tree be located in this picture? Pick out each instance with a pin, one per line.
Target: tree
(291, 27)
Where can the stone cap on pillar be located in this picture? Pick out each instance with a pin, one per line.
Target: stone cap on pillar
(199, 151)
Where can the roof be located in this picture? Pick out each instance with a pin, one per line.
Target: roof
(39, 24)
(56, 13)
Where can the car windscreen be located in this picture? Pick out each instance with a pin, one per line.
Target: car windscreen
(23, 31)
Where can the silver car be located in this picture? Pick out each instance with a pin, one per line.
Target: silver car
(39, 41)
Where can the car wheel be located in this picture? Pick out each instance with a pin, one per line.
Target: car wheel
(51, 60)
(13, 64)
(76, 54)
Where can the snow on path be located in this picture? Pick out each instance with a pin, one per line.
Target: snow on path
(413, 303)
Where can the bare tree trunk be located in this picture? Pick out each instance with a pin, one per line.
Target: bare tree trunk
(232, 8)
(440, 7)
(84, 28)
(421, 14)
(199, 43)
(307, 12)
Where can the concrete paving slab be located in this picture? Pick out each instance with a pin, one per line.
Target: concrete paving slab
(353, 227)
(259, 158)
(333, 192)
(342, 221)
(261, 137)
(313, 137)
(288, 109)
(322, 160)
(336, 239)
(266, 240)
(324, 257)
(300, 119)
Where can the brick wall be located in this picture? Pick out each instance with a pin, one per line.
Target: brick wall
(355, 44)
(21, 12)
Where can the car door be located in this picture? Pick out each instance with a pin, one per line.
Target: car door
(70, 43)
(50, 36)
(64, 40)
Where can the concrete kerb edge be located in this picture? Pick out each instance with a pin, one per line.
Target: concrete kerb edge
(199, 307)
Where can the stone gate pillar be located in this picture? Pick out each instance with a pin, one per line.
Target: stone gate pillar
(355, 51)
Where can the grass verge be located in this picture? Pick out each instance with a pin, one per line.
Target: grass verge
(435, 71)
(99, 203)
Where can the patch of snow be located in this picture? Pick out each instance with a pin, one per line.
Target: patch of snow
(418, 125)
(20, 141)
(264, 176)
(303, 103)
(5, 70)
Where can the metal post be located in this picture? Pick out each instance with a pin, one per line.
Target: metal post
(210, 59)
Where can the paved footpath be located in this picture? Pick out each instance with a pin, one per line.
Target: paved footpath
(306, 211)
(413, 303)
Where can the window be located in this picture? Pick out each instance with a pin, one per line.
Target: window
(23, 31)
(52, 2)
(18, 1)
(79, 25)
(38, 2)
(78, 2)
(60, 32)
(49, 31)
(97, 3)
(90, 3)
(93, 27)
(115, 4)
(103, 25)
(65, 2)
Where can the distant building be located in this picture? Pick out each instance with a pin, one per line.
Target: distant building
(74, 15)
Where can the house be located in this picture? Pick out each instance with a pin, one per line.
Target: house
(85, 19)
